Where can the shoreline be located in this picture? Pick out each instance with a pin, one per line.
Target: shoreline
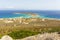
(29, 18)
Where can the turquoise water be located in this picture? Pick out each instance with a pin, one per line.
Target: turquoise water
(22, 14)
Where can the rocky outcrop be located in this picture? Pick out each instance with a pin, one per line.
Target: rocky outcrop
(45, 36)
(6, 37)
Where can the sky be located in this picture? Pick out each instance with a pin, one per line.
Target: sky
(29, 4)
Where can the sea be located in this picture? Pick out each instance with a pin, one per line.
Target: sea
(18, 13)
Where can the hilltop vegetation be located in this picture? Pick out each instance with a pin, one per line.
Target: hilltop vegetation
(21, 28)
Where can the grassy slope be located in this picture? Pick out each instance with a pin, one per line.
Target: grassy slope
(17, 30)
(25, 32)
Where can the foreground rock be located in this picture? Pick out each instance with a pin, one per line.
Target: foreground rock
(6, 37)
(45, 36)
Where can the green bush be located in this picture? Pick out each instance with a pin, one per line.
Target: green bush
(22, 34)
